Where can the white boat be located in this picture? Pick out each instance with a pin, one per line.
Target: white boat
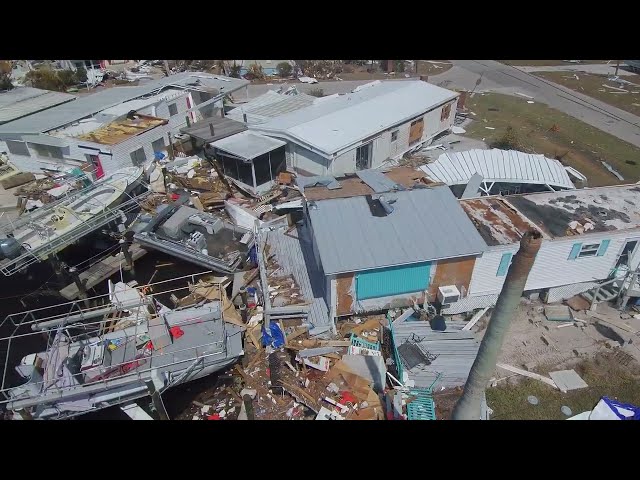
(126, 348)
(37, 235)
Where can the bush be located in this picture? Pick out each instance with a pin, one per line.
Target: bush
(509, 141)
(316, 92)
(44, 78)
(284, 69)
(5, 82)
(234, 71)
(80, 75)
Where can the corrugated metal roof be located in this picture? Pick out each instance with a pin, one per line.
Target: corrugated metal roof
(23, 101)
(83, 107)
(248, 145)
(498, 166)
(269, 105)
(332, 124)
(378, 181)
(455, 351)
(426, 224)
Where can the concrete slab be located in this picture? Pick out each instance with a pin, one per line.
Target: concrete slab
(558, 313)
(567, 380)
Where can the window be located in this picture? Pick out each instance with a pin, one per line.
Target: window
(584, 250)
(17, 148)
(138, 157)
(394, 135)
(505, 262)
(262, 169)
(446, 111)
(158, 145)
(363, 156)
(173, 109)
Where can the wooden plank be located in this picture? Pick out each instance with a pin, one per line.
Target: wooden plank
(343, 292)
(475, 319)
(452, 271)
(101, 271)
(524, 373)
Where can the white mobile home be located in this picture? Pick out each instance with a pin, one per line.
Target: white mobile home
(60, 136)
(344, 133)
(587, 234)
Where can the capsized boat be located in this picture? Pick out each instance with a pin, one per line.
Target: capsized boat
(122, 350)
(49, 229)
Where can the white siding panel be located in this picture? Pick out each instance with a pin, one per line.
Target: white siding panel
(345, 163)
(309, 161)
(122, 152)
(402, 144)
(381, 149)
(552, 267)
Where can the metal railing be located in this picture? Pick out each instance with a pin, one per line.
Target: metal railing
(53, 245)
(127, 372)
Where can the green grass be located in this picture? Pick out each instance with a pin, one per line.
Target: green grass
(545, 63)
(604, 376)
(591, 85)
(574, 142)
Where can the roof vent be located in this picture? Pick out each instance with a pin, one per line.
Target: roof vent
(386, 205)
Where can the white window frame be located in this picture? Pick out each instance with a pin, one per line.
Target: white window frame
(174, 105)
(394, 134)
(589, 250)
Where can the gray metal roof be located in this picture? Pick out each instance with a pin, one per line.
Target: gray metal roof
(426, 224)
(378, 181)
(222, 127)
(335, 122)
(455, 348)
(248, 145)
(61, 115)
(23, 101)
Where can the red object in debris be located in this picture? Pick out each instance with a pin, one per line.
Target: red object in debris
(176, 332)
(175, 196)
(215, 416)
(346, 397)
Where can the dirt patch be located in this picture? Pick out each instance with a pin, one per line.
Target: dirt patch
(445, 401)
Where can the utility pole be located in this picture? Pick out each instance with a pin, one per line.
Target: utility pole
(617, 66)
(468, 407)
(166, 68)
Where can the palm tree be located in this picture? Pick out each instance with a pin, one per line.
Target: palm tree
(468, 407)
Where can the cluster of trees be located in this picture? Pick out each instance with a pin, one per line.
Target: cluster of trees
(57, 80)
(5, 75)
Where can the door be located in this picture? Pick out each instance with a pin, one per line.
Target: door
(98, 171)
(627, 252)
(363, 156)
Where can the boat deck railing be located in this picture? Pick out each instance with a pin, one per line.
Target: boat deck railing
(10, 266)
(96, 325)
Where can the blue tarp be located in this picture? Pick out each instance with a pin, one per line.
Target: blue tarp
(273, 338)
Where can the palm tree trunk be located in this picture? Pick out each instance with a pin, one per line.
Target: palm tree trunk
(468, 407)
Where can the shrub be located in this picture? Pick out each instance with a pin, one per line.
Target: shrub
(316, 92)
(284, 69)
(509, 141)
(80, 75)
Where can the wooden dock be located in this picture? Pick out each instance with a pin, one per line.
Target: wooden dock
(101, 271)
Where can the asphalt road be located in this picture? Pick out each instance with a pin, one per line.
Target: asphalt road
(506, 79)
(510, 80)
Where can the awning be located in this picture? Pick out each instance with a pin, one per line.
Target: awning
(248, 145)
(46, 140)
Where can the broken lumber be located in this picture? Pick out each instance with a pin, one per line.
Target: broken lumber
(475, 319)
(524, 373)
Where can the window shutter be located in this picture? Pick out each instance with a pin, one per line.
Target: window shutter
(505, 261)
(575, 250)
(603, 248)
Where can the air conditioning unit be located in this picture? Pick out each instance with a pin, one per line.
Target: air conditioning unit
(448, 294)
